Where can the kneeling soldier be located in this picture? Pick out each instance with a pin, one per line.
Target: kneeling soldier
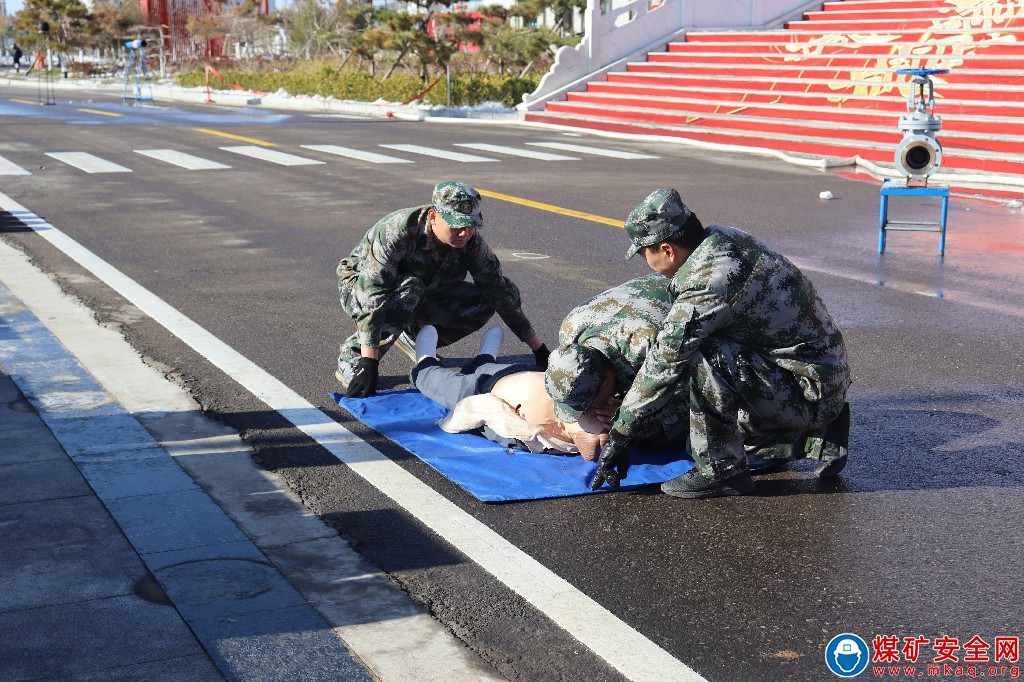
(765, 366)
(409, 271)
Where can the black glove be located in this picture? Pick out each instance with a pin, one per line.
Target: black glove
(541, 355)
(613, 463)
(364, 383)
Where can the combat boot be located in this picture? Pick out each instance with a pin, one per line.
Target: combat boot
(835, 449)
(407, 345)
(694, 486)
(344, 374)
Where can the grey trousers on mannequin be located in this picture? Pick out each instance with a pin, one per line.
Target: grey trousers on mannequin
(447, 387)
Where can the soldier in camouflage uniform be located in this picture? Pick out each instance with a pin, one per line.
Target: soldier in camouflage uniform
(409, 270)
(613, 332)
(765, 365)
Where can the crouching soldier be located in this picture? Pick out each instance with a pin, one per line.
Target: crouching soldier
(764, 364)
(409, 271)
(609, 336)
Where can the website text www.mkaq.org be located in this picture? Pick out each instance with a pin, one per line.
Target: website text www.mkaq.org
(946, 670)
(893, 656)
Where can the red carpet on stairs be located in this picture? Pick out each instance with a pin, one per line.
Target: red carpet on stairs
(827, 86)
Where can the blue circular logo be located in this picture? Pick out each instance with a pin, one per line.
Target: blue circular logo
(847, 655)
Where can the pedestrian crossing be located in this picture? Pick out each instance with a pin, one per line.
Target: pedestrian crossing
(396, 154)
(181, 159)
(88, 163)
(513, 151)
(355, 153)
(583, 149)
(8, 168)
(438, 153)
(280, 158)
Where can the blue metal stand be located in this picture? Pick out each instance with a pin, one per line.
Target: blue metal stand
(901, 189)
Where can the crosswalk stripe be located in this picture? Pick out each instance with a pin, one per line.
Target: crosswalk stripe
(437, 153)
(354, 153)
(514, 151)
(182, 159)
(8, 168)
(279, 158)
(591, 150)
(85, 161)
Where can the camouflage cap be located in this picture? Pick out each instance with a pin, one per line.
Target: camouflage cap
(458, 204)
(572, 379)
(655, 219)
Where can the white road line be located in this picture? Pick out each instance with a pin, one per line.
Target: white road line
(182, 159)
(592, 150)
(437, 153)
(625, 649)
(355, 153)
(343, 589)
(280, 158)
(9, 168)
(513, 151)
(84, 161)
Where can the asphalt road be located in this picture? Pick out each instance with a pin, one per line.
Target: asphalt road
(919, 537)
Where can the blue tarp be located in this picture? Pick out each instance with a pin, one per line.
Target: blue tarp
(488, 471)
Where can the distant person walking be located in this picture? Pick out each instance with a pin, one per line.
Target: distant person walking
(18, 54)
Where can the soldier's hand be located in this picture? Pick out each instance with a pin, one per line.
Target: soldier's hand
(589, 444)
(364, 383)
(605, 414)
(613, 464)
(540, 356)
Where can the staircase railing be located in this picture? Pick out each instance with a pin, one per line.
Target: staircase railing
(616, 33)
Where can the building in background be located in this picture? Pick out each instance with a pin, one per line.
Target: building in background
(173, 17)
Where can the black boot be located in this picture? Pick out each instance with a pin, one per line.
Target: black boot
(834, 452)
(693, 485)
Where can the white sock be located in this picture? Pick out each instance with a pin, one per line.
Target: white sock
(491, 343)
(426, 343)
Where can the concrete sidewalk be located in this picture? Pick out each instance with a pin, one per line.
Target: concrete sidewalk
(78, 600)
(139, 541)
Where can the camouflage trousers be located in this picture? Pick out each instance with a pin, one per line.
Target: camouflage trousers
(457, 311)
(670, 424)
(742, 403)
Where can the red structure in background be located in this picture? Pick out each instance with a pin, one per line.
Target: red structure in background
(173, 15)
(436, 25)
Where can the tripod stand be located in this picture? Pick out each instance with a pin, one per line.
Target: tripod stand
(44, 85)
(136, 48)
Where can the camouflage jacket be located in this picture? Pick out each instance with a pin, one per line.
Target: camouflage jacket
(621, 323)
(736, 288)
(400, 245)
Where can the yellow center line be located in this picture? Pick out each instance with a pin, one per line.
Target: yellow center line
(552, 209)
(23, 101)
(234, 137)
(101, 113)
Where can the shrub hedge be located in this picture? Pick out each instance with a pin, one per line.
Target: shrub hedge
(468, 89)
